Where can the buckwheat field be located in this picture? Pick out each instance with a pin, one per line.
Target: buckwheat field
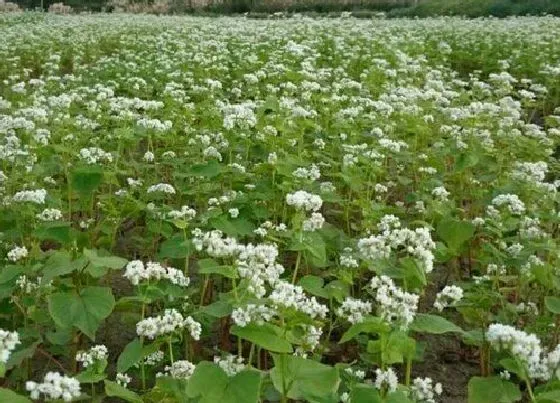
(228, 210)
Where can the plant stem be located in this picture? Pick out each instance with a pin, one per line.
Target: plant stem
(408, 370)
(298, 260)
(170, 350)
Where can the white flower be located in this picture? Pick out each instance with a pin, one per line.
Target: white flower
(393, 304)
(161, 187)
(354, 310)
(252, 313)
(8, 343)
(313, 223)
(450, 295)
(54, 386)
(181, 369)
(123, 379)
(230, 364)
(17, 253)
(386, 379)
(303, 200)
(423, 390)
(233, 212)
(96, 353)
(50, 214)
(166, 324)
(33, 196)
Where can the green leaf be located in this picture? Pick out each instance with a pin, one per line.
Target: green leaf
(59, 264)
(363, 393)
(218, 309)
(210, 266)
(303, 377)
(265, 336)
(209, 170)
(552, 396)
(211, 384)
(370, 325)
(131, 354)
(17, 357)
(426, 323)
(552, 304)
(111, 262)
(9, 396)
(492, 390)
(54, 231)
(113, 389)
(86, 179)
(85, 310)
(313, 285)
(176, 248)
(455, 232)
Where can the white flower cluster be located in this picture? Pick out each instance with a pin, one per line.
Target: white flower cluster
(258, 265)
(304, 201)
(136, 271)
(258, 314)
(165, 324)
(186, 213)
(123, 379)
(155, 124)
(347, 260)
(230, 364)
(526, 348)
(33, 196)
(529, 228)
(181, 369)
(96, 353)
(292, 296)
(215, 243)
(386, 379)
(312, 173)
(354, 310)
(152, 359)
(394, 304)
(93, 155)
(54, 386)
(161, 188)
(8, 343)
(17, 253)
(450, 295)
(423, 390)
(313, 223)
(418, 243)
(530, 171)
(50, 214)
(29, 286)
(440, 193)
(514, 205)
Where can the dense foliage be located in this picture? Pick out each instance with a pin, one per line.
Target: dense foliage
(232, 210)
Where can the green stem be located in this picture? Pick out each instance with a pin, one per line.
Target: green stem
(530, 389)
(298, 260)
(408, 370)
(204, 287)
(170, 350)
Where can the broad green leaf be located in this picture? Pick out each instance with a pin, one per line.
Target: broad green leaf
(54, 231)
(59, 264)
(9, 396)
(455, 232)
(265, 336)
(218, 309)
(300, 376)
(111, 262)
(426, 323)
(492, 390)
(131, 354)
(85, 310)
(370, 325)
(363, 393)
(86, 179)
(211, 384)
(552, 304)
(176, 248)
(210, 266)
(313, 285)
(552, 396)
(113, 389)
(17, 357)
